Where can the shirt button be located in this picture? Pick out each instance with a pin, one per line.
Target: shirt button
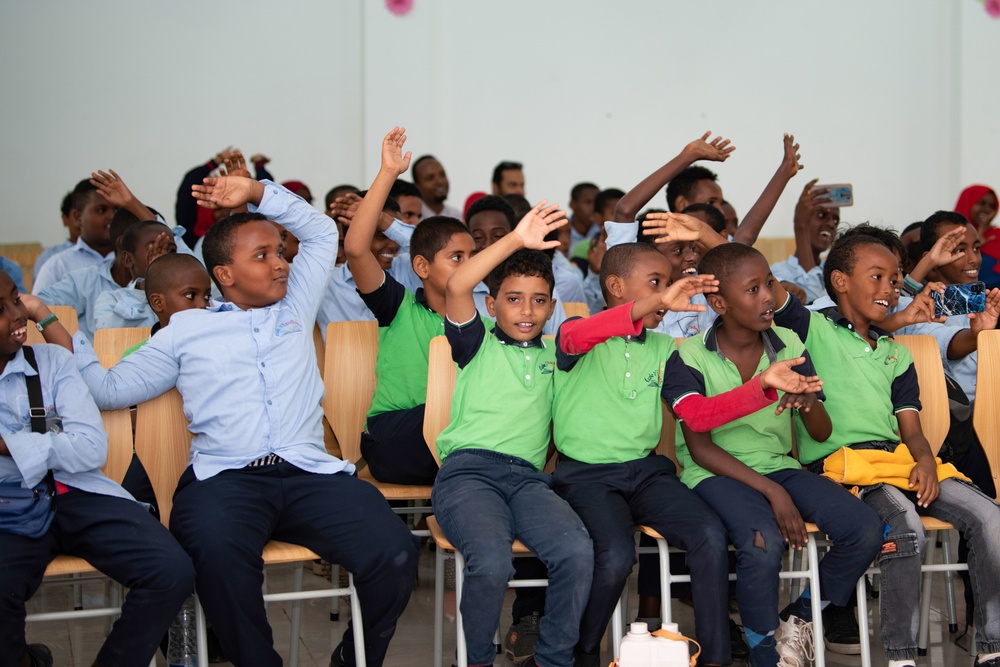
(527, 357)
(868, 349)
(256, 330)
(269, 401)
(527, 377)
(262, 364)
(628, 356)
(628, 375)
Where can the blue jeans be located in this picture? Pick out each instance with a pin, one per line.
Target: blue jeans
(977, 518)
(612, 498)
(483, 501)
(855, 529)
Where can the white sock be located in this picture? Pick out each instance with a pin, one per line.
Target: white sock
(987, 656)
(902, 663)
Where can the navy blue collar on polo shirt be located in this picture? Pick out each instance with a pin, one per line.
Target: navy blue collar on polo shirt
(641, 338)
(874, 333)
(422, 298)
(507, 340)
(772, 343)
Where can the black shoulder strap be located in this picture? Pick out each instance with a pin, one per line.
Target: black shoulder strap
(35, 402)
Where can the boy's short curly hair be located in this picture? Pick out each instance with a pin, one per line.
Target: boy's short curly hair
(682, 185)
(722, 259)
(492, 203)
(602, 198)
(885, 236)
(716, 220)
(217, 249)
(81, 194)
(929, 227)
(843, 257)
(524, 262)
(433, 234)
(620, 261)
(164, 269)
(131, 236)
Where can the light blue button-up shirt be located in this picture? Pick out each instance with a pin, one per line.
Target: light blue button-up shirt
(76, 445)
(963, 370)
(78, 256)
(790, 271)
(248, 378)
(81, 289)
(123, 307)
(48, 254)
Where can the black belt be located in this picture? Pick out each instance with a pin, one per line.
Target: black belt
(268, 460)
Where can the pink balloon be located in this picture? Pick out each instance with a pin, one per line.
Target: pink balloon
(399, 7)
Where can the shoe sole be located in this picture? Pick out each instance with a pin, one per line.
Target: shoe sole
(517, 660)
(843, 649)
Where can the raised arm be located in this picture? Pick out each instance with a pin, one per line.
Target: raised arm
(808, 202)
(668, 227)
(941, 253)
(717, 150)
(54, 332)
(530, 233)
(755, 218)
(113, 188)
(368, 274)
(146, 373)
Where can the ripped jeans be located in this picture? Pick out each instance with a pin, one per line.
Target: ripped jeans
(974, 515)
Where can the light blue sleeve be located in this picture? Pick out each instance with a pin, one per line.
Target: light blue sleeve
(142, 375)
(621, 232)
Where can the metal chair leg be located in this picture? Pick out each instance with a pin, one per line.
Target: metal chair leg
(819, 644)
(293, 652)
(335, 601)
(460, 647)
(357, 626)
(438, 607)
(949, 581)
(866, 649)
(925, 599)
(201, 633)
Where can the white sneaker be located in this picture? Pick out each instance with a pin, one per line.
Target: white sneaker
(794, 642)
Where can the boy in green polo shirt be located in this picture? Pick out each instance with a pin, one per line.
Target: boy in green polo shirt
(491, 488)
(743, 470)
(394, 445)
(874, 400)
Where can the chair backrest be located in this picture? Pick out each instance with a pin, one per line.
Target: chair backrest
(986, 413)
(320, 349)
(110, 344)
(67, 317)
(163, 443)
(935, 417)
(576, 309)
(349, 379)
(441, 375)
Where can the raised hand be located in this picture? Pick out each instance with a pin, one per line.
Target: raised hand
(667, 227)
(538, 222)
(678, 296)
(988, 318)
(259, 158)
(943, 250)
(36, 308)
(803, 402)
(227, 192)
(221, 156)
(234, 165)
(716, 150)
(808, 202)
(781, 376)
(113, 188)
(160, 247)
(790, 164)
(393, 158)
(345, 206)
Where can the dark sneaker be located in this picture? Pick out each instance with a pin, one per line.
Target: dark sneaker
(738, 642)
(586, 660)
(840, 630)
(337, 658)
(992, 662)
(519, 644)
(39, 655)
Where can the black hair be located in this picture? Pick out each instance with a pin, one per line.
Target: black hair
(520, 204)
(163, 269)
(716, 220)
(67, 204)
(605, 196)
(911, 227)
(390, 205)
(433, 234)
(683, 184)
(620, 261)
(579, 188)
(929, 227)
(217, 248)
(416, 163)
(721, 260)
(337, 191)
(913, 251)
(120, 222)
(886, 237)
(403, 188)
(505, 166)
(843, 257)
(524, 262)
(81, 194)
(492, 203)
(642, 216)
(131, 236)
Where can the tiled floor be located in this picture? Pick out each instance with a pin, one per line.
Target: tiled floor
(77, 643)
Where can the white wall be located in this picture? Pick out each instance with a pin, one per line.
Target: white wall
(895, 97)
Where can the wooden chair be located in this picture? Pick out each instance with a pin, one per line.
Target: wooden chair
(986, 415)
(163, 443)
(576, 309)
(67, 317)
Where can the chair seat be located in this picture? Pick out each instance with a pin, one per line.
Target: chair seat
(63, 565)
(283, 552)
(442, 542)
(396, 491)
(930, 523)
(646, 530)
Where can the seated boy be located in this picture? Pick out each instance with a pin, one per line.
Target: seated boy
(394, 445)
(259, 470)
(491, 488)
(610, 370)
(127, 306)
(879, 412)
(743, 470)
(94, 518)
(174, 283)
(72, 228)
(815, 225)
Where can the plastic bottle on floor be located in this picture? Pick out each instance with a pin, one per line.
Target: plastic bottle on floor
(642, 649)
(182, 649)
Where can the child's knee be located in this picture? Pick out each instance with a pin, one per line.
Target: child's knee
(615, 562)
(902, 545)
(763, 551)
(492, 565)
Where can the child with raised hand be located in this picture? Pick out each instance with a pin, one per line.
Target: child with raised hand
(394, 445)
(815, 225)
(880, 413)
(259, 468)
(94, 518)
(743, 469)
(491, 488)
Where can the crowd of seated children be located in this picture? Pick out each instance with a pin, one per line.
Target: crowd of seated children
(94, 518)
(880, 414)
(491, 487)
(259, 469)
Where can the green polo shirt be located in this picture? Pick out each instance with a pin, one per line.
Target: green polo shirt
(762, 441)
(503, 393)
(866, 385)
(607, 401)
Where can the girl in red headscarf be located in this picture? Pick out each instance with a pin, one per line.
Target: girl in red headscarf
(978, 204)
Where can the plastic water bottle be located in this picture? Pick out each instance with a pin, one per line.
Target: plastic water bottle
(642, 649)
(182, 649)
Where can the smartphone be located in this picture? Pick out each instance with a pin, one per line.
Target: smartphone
(841, 194)
(960, 299)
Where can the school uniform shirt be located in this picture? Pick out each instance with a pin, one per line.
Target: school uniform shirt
(13, 269)
(503, 393)
(81, 289)
(75, 446)
(48, 254)
(576, 237)
(123, 307)
(866, 386)
(248, 378)
(78, 256)
(761, 440)
(569, 279)
(790, 271)
(450, 211)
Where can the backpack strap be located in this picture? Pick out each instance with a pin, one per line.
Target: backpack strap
(36, 404)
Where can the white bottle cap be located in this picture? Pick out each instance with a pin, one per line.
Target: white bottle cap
(638, 628)
(670, 627)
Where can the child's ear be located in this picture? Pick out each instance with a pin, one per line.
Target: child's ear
(223, 275)
(128, 259)
(157, 303)
(615, 286)
(680, 203)
(839, 281)
(421, 267)
(552, 309)
(491, 306)
(717, 302)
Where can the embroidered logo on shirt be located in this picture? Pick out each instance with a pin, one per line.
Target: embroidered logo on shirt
(289, 326)
(655, 379)
(891, 359)
(547, 367)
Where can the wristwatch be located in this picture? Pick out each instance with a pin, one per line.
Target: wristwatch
(46, 322)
